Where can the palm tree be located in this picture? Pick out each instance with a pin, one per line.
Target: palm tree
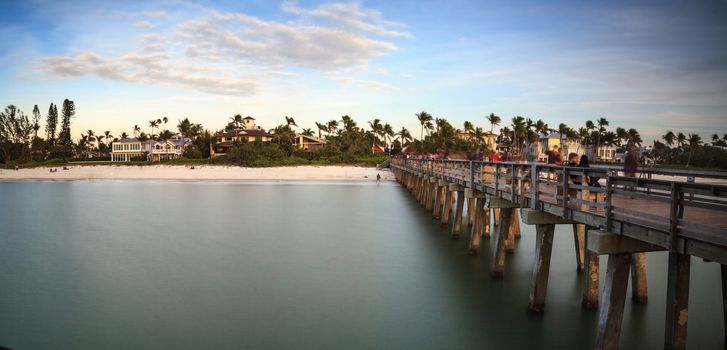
(429, 127)
(91, 138)
(388, 131)
(634, 136)
(165, 120)
(404, 136)
(494, 120)
(290, 121)
(321, 127)
(681, 139)
(349, 125)
(307, 132)
(153, 124)
(715, 139)
(519, 131)
(602, 124)
(424, 118)
(468, 127)
(137, 130)
(669, 138)
(107, 135)
(236, 120)
(694, 141)
(376, 128)
(332, 126)
(124, 135)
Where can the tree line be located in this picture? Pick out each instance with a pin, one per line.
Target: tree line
(346, 141)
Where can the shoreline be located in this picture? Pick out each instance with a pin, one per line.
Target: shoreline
(200, 172)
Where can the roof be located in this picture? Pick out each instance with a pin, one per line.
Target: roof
(248, 117)
(243, 132)
(312, 138)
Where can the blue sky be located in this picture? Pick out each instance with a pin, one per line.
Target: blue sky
(652, 66)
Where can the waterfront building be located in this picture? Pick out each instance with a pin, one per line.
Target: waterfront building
(128, 149)
(488, 138)
(249, 132)
(308, 143)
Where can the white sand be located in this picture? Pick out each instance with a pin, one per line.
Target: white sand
(203, 172)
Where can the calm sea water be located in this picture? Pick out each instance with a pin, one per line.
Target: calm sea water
(223, 265)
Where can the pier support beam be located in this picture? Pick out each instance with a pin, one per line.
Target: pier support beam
(448, 203)
(439, 199)
(498, 259)
(639, 290)
(457, 225)
(612, 303)
(541, 266)
(513, 232)
(579, 238)
(487, 213)
(677, 301)
(590, 289)
(471, 211)
(476, 230)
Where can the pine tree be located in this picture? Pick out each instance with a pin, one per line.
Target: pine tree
(69, 110)
(51, 124)
(36, 121)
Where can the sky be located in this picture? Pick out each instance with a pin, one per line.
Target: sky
(649, 65)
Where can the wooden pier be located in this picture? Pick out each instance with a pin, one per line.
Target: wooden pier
(619, 217)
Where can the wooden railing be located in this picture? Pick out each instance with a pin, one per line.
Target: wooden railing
(658, 211)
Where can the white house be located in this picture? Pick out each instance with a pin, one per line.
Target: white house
(127, 149)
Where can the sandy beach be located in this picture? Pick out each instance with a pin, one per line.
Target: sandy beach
(204, 172)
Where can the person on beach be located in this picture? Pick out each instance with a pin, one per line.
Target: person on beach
(378, 177)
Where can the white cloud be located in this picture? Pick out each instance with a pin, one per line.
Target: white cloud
(144, 25)
(377, 85)
(349, 16)
(243, 37)
(155, 69)
(233, 53)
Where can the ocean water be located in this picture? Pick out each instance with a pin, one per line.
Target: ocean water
(288, 265)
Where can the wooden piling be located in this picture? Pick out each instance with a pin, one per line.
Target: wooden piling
(590, 288)
(476, 230)
(677, 301)
(448, 203)
(457, 226)
(487, 212)
(502, 230)
(439, 200)
(471, 208)
(579, 238)
(496, 217)
(612, 303)
(639, 292)
(514, 228)
(541, 266)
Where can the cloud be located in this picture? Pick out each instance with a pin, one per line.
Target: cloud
(406, 75)
(233, 53)
(154, 69)
(349, 16)
(377, 85)
(243, 37)
(144, 25)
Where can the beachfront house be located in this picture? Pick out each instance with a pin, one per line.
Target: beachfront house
(126, 149)
(249, 132)
(168, 149)
(378, 149)
(308, 143)
(487, 138)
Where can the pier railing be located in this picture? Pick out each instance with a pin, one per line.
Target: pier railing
(686, 217)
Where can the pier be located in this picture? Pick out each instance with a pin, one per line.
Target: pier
(620, 218)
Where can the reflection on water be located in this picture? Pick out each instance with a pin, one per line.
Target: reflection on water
(119, 265)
